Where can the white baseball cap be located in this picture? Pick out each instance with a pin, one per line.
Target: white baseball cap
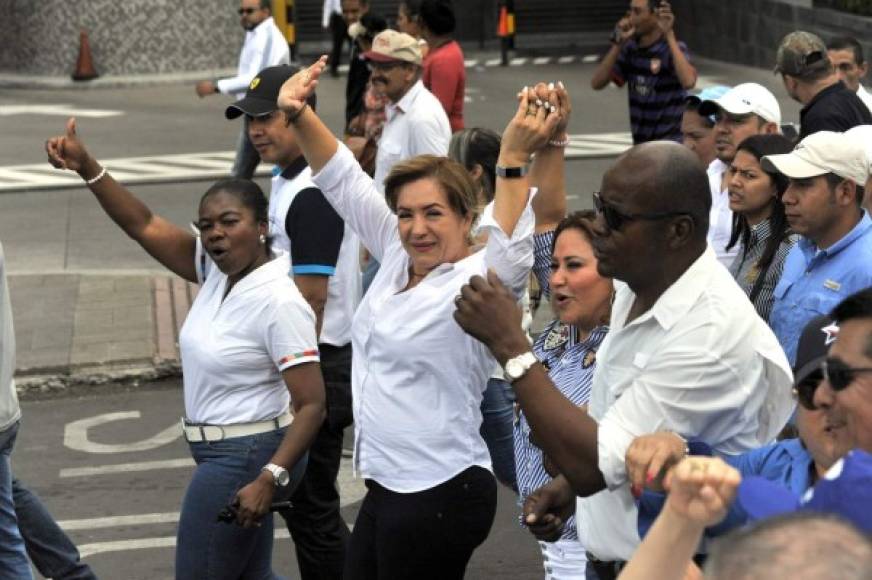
(862, 134)
(820, 153)
(743, 99)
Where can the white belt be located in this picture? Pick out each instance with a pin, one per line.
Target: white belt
(198, 433)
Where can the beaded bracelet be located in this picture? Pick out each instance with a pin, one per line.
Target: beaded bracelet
(99, 176)
(559, 142)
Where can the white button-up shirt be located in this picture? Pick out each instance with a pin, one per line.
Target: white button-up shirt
(720, 216)
(263, 47)
(415, 125)
(10, 411)
(417, 378)
(235, 347)
(700, 363)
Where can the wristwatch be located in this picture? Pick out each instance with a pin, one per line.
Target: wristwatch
(281, 477)
(518, 366)
(511, 172)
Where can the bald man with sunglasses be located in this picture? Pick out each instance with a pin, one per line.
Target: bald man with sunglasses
(686, 351)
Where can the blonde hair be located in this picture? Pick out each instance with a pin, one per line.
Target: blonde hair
(459, 187)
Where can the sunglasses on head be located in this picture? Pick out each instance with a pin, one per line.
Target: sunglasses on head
(247, 11)
(839, 375)
(615, 218)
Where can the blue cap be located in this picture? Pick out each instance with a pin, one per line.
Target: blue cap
(707, 94)
(844, 489)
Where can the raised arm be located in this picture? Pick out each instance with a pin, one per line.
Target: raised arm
(316, 141)
(624, 31)
(172, 246)
(685, 71)
(548, 172)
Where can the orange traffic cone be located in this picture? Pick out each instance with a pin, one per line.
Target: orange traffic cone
(84, 64)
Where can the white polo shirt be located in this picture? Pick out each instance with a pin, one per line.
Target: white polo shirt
(234, 350)
(417, 378)
(720, 215)
(305, 225)
(415, 125)
(700, 363)
(265, 46)
(865, 97)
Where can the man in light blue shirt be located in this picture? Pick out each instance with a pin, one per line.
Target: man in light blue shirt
(834, 258)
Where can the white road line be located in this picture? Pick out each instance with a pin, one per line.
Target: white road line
(566, 60)
(471, 63)
(493, 62)
(518, 61)
(542, 60)
(590, 58)
(61, 110)
(76, 435)
(125, 467)
(113, 521)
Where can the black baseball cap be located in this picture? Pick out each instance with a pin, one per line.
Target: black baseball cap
(813, 345)
(263, 91)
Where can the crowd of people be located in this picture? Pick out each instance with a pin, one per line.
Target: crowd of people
(700, 405)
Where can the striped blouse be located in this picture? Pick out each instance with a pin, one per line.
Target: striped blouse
(745, 270)
(570, 365)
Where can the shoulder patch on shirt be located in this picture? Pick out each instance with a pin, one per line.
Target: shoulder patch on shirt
(656, 63)
(588, 359)
(832, 285)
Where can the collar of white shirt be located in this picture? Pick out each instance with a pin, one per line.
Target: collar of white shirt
(406, 103)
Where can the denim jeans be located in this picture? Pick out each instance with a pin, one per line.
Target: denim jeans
(13, 557)
(207, 549)
(497, 414)
(49, 548)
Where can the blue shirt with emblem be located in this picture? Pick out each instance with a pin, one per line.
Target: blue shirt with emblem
(815, 281)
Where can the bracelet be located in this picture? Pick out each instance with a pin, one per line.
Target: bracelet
(560, 142)
(511, 172)
(292, 120)
(99, 176)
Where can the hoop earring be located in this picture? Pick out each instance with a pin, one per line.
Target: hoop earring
(262, 239)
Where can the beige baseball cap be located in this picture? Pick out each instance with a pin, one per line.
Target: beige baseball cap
(801, 53)
(821, 153)
(392, 46)
(862, 135)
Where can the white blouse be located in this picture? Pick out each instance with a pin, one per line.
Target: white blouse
(417, 377)
(234, 350)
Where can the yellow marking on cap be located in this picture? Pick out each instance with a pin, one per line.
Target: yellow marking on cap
(254, 82)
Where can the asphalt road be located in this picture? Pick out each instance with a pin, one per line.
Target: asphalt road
(116, 481)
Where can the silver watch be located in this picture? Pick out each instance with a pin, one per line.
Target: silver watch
(518, 366)
(281, 477)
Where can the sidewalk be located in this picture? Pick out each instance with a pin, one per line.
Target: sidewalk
(91, 329)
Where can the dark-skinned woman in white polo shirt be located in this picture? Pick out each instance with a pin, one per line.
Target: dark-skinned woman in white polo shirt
(248, 349)
(417, 380)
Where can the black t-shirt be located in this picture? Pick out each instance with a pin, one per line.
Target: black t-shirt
(358, 76)
(836, 108)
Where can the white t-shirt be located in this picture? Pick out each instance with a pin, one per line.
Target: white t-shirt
(234, 350)
(700, 363)
(720, 216)
(303, 224)
(10, 411)
(417, 378)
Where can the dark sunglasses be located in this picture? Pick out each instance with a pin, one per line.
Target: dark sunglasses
(615, 218)
(839, 375)
(247, 11)
(804, 391)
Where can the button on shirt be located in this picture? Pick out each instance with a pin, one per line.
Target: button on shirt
(416, 125)
(720, 215)
(815, 281)
(417, 378)
(700, 363)
(263, 47)
(234, 350)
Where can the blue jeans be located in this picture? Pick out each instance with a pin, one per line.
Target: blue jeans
(497, 414)
(207, 549)
(13, 557)
(49, 548)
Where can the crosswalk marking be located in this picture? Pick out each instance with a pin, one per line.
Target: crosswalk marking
(217, 164)
(60, 110)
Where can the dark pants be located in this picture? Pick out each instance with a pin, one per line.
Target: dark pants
(316, 526)
(339, 31)
(426, 535)
(247, 157)
(49, 548)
